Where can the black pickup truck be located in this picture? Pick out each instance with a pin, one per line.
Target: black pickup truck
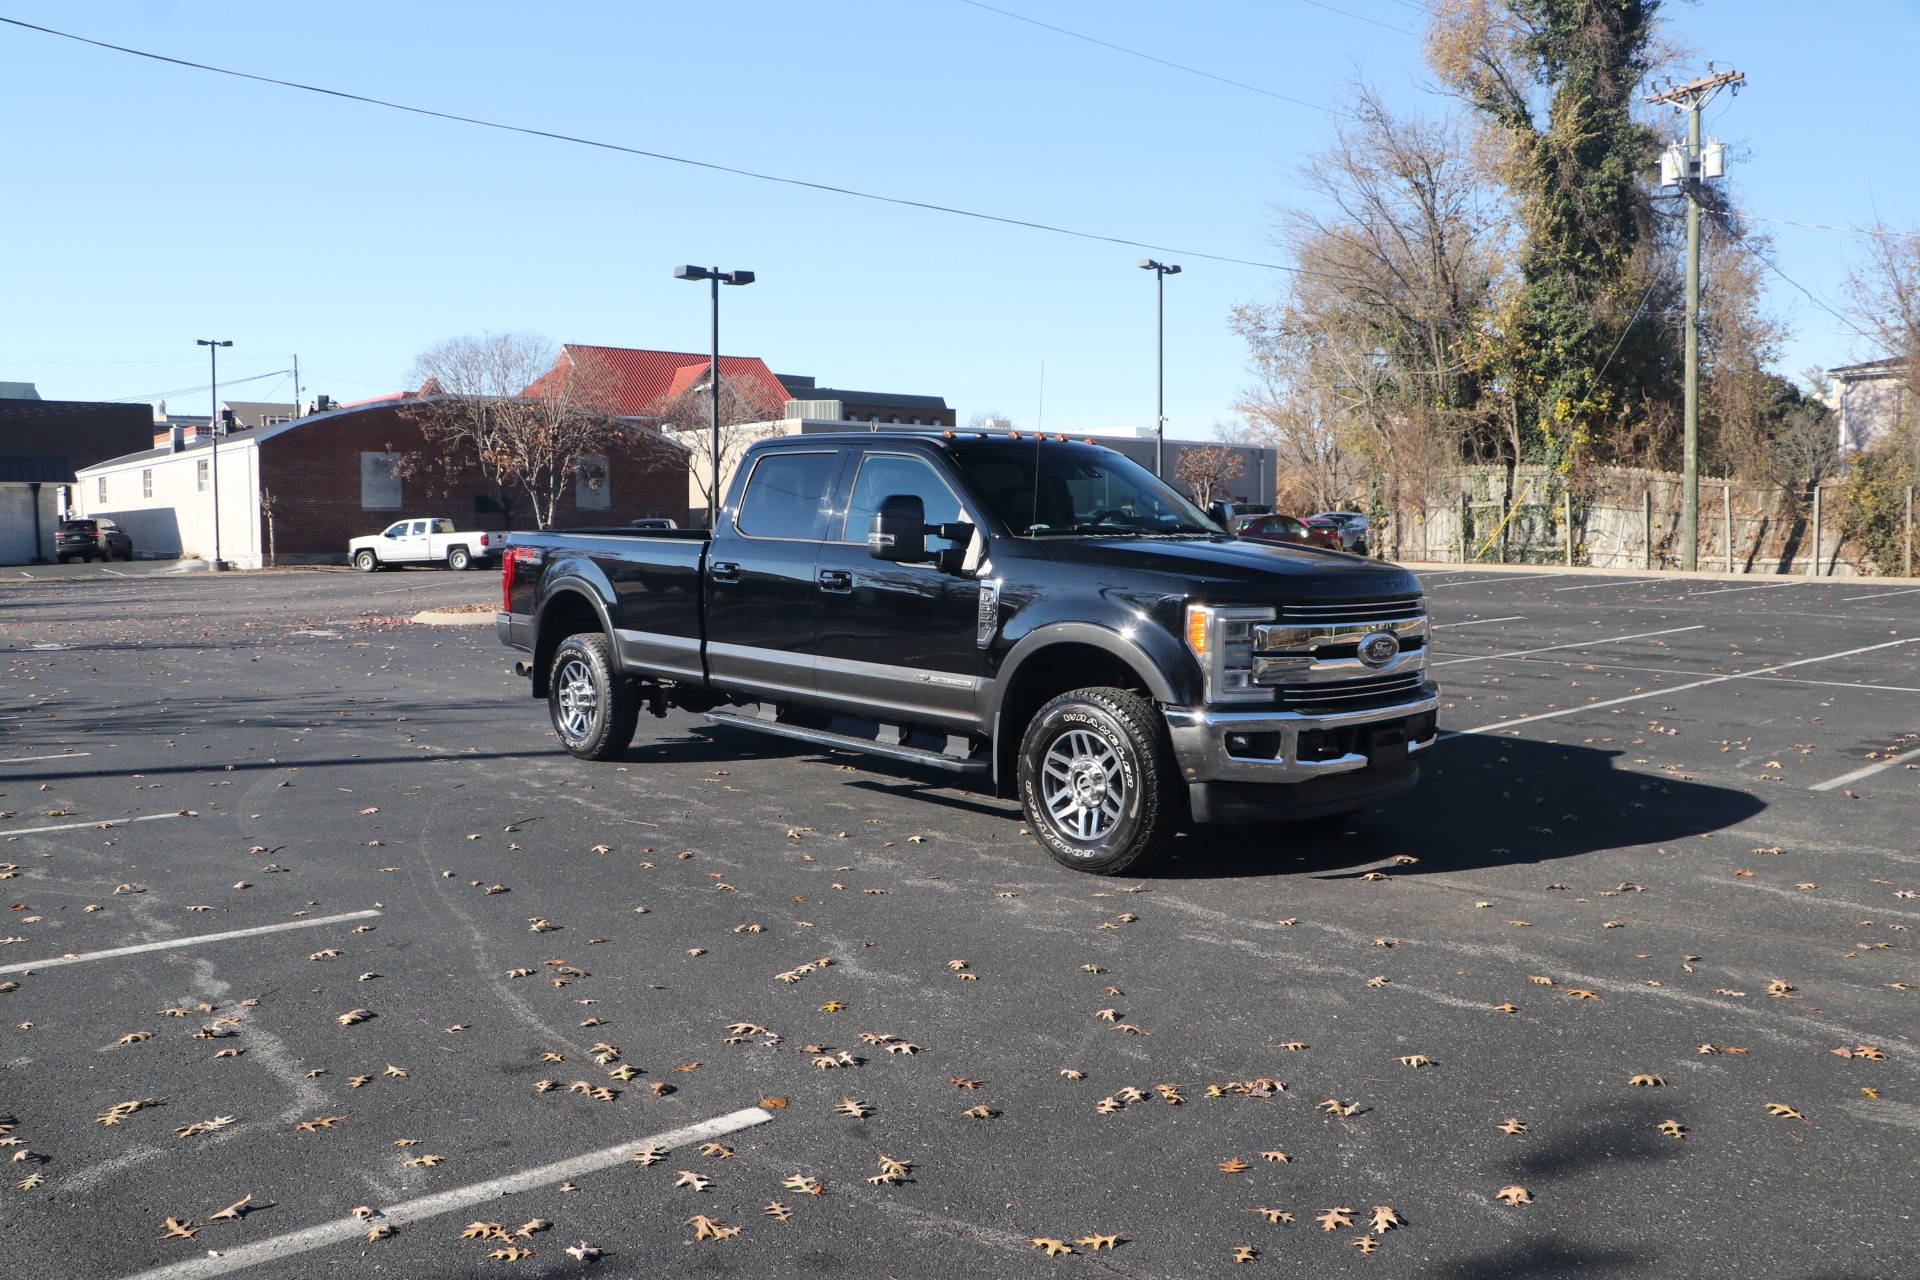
(1042, 613)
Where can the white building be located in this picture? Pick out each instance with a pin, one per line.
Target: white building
(1871, 400)
(164, 497)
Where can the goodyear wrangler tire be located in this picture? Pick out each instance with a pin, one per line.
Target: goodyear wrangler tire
(1098, 781)
(594, 708)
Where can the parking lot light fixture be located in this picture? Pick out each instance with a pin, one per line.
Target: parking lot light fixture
(213, 427)
(1161, 270)
(714, 277)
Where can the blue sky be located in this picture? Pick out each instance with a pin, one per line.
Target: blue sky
(148, 205)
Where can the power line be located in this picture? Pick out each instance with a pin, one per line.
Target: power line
(1823, 226)
(1360, 17)
(698, 164)
(1135, 53)
(205, 386)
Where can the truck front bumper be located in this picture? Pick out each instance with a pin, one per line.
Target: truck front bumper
(1248, 766)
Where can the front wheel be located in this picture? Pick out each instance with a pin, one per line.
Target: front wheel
(1098, 781)
(594, 708)
(458, 559)
(365, 561)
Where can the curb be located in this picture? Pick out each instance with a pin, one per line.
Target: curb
(444, 618)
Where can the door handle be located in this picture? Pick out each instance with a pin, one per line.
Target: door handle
(725, 571)
(838, 580)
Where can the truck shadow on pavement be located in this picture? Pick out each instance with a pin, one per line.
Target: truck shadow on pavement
(1482, 802)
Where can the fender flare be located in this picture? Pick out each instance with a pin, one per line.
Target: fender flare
(544, 643)
(1140, 659)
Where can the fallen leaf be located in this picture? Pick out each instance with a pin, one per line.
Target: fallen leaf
(1054, 1248)
(1514, 1196)
(1334, 1219)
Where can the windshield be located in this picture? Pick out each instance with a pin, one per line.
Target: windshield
(1046, 488)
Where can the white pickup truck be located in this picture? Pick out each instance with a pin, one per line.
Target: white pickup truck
(425, 542)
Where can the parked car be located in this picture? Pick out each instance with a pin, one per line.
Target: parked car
(1047, 617)
(653, 522)
(425, 542)
(1281, 528)
(1352, 526)
(89, 539)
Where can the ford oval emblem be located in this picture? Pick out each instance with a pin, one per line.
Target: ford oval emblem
(1380, 648)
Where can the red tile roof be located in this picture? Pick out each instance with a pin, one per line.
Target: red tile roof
(641, 381)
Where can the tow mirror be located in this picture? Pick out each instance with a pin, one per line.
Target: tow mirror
(899, 530)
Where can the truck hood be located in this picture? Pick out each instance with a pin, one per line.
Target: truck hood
(1239, 570)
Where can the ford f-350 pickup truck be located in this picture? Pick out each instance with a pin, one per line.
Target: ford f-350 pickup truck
(1042, 613)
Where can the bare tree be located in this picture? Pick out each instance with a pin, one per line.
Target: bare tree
(1207, 471)
(1883, 293)
(1367, 363)
(527, 416)
(689, 418)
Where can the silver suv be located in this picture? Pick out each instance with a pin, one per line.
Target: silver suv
(1353, 529)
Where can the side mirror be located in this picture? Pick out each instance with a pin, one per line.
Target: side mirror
(1221, 514)
(899, 530)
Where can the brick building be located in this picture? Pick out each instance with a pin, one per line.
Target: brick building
(336, 475)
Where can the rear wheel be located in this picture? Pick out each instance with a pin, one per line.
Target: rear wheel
(365, 561)
(1097, 780)
(458, 559)
(594, 708)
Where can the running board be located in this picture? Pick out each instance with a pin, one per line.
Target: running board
(848, 742)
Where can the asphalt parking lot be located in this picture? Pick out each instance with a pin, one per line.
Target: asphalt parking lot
(1639, 954)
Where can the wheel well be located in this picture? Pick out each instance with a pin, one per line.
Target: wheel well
(1045, 676)
(567, 614)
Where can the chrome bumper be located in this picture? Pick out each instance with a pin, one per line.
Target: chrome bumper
(1200, 741)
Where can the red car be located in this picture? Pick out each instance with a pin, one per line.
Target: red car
(1279, 528)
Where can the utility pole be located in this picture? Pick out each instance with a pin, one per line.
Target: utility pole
(1688, 169)
(296, 386)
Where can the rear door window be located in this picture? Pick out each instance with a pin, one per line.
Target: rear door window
(786, 496)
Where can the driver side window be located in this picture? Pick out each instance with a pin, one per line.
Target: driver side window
(398, 530)
(885, 474)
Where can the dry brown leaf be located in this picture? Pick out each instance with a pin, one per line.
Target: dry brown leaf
(1334, 1219)
(1514, 1195)
(1054, 1248)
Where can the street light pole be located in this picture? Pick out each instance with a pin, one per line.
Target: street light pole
(213, 425)
(1161, 270)
(715, 278)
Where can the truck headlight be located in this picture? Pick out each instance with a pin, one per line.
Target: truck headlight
(1222, 639)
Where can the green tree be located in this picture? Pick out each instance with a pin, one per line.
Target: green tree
(1556, 82)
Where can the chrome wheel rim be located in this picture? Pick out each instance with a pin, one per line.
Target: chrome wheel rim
(1083, 785)
(576, 698)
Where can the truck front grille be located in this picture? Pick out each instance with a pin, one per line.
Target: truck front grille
(1351, 695)
(1352, 612)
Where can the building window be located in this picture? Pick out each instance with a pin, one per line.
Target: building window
(380, 482)
(202, 474)
(592, 484)
(146, 483)
(100, 489)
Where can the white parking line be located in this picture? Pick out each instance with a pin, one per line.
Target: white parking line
(1722, 591)
(341, 1230)
(65, 755)
(1681, 688)
(194, 941)
(1498, 577)
(1478, 622)
(1834, 784)
(1553, 648)
(1627, 582)
(1881, 595)
(99, 824)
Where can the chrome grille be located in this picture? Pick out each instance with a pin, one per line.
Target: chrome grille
(1351, 695)
(1363, 612)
